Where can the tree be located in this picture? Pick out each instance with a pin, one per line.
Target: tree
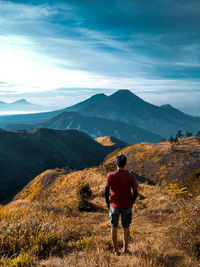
(171, 139)
(179, 134)
(188, 134)
(198, 133)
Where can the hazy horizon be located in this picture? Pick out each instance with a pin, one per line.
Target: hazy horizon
(45, 108)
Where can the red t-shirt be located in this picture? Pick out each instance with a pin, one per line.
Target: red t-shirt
(120, 183)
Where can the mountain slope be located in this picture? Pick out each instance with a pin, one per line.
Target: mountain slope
(24, 154)
(44, 226)
(164, 163)
(84, 104)
(127, 107)
(96, 127)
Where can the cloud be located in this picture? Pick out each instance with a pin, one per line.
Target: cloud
(12, 11)
(73, 35)
(150, 48)
(2, 84)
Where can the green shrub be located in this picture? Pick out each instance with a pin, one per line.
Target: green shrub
(23, 260)
(193, 182)
(51, 245)
(107, 167)
(84, 192)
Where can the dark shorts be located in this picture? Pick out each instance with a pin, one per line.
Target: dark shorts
(126, 216)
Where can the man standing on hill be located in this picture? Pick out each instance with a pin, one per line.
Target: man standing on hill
(120, 194)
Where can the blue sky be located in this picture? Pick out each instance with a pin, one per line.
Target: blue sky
(57, 53)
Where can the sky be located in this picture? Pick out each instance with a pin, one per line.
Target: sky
(57, 53)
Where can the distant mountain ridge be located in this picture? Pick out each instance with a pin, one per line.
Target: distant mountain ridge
(121, 107)
(95, 127)
(21, 105)
(45, 116)
(127, 107)
(20, 101)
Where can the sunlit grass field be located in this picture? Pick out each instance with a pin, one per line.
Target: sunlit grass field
(61, 219)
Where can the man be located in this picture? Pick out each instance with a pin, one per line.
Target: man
(121, 187)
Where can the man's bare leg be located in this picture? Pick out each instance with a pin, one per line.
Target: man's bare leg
(126, 239)
(114, 239)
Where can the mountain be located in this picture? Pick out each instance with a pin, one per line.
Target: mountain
(95, 127)
(24, 154)
(41, 117)
(84, 104)
(127, 107)
(21, 102)
(121, 106)
(167, 106)
(18, 102)
(19, 106)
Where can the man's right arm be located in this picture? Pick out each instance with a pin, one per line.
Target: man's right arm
(107, 191)
(107, 194)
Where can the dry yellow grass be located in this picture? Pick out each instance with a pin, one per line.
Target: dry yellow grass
(43, 226)
(111, 142)
(105, 140)
(163, 163)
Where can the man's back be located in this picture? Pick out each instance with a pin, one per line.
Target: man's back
(120, 183)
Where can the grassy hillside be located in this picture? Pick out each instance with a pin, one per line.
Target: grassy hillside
(60, 219)
(111, 142)
(164, 163)
(25, 154)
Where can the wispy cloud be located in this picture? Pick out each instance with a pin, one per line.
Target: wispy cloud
(150, 48)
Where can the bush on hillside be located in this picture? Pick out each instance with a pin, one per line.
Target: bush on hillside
(107, 167)
(84, 192)
(50, 245)
(193, 182)
(23, 260)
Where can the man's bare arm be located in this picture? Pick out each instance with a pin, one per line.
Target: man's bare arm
(135, 194)
(107, 194)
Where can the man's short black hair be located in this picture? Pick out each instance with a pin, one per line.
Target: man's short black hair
(121, 160)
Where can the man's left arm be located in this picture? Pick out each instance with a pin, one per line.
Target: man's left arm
(134, 186)
(135, 194)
